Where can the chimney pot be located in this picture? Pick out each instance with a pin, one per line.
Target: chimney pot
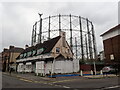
(11, 47)
(5, 49)
(26, 46)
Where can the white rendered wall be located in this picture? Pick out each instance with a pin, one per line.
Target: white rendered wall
(76, 65)
(40, 67)
(111, 34)
(61, 66)
(20, 67)
(28, 67)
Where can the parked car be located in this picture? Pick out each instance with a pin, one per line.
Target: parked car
(109, 70)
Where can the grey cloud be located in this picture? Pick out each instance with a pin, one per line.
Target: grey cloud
(18, 18)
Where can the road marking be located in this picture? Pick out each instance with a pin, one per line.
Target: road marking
(36, 81)
(43, 82)
(111, 87)
(66, 87)
(26, 80)
(64, 80)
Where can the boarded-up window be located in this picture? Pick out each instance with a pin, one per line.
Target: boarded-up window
(57, 50)
(112, 57)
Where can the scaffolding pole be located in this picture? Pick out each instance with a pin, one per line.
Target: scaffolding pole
(32, 36)
(86, 46)
(40, 29)
(71, 33)
(49, 29)
(81, 38)
(89, 41)
(59, 24)
(94, 42)
(35, 35)
(76, 47)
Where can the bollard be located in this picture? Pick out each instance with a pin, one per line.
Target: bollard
(37, 74)
(81, 73)
(91, 72)
(101, 72)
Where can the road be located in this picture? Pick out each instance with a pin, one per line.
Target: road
(103, 83)
(12, 82)
(91, 83)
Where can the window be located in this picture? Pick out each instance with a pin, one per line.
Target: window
(57, 50)
(63, 42)
(68, 50)
(21, 56)
(29, 53)
(112, 57)
(25, 54)
(34, 52)
(39, 51)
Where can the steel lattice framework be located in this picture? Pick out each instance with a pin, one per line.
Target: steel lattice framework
(79, 33)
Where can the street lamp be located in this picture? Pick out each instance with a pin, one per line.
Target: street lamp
(94, 67)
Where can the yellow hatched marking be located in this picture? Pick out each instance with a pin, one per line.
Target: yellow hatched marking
(26, 80)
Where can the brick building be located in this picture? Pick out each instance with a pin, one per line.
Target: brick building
(0, 61)
(111, 42)
(9, 57)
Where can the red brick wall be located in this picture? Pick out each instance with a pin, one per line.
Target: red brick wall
(88, 67)
(112, 46)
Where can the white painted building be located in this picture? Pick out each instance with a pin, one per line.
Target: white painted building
(52, 56)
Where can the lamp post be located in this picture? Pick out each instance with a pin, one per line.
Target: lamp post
(52, 68)
(94, 67)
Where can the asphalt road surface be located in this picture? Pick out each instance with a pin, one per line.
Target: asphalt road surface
(12, 82)
(93, 84)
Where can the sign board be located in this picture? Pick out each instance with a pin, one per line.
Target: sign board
(112, 57)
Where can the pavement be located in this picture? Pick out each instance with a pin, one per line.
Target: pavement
(100, 76)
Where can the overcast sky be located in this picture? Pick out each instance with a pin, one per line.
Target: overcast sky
(18, 18)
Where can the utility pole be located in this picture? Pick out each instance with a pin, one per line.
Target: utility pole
(94, 47)
(32, 41)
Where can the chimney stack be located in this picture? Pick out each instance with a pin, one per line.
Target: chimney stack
(10, 47)
(63, 35)
(5, 49)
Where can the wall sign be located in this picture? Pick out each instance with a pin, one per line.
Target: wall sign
(112, 57)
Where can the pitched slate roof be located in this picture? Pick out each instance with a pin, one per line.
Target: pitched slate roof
(47, 45)
(15, 49)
